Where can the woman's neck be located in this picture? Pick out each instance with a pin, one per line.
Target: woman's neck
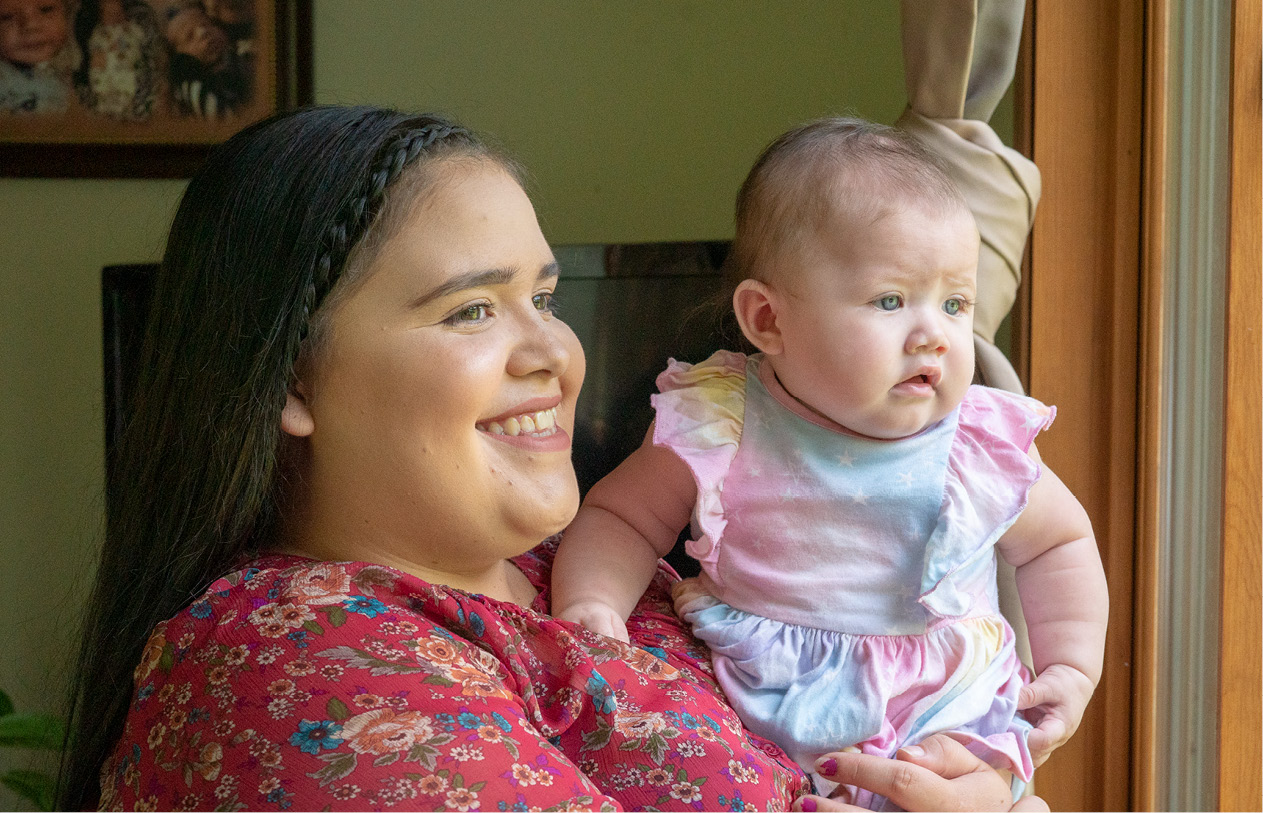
(326, 539)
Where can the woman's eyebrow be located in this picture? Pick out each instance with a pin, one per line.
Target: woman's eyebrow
(477, 279)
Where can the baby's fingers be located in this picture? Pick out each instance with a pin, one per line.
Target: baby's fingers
(600, 620)
(1035, 694)
(1045, 739)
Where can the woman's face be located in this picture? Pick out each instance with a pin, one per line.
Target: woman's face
(443, 399)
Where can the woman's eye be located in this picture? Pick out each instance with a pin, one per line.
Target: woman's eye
(890, 302)
(545, 302)
(470, 314)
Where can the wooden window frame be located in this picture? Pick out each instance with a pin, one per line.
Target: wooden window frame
(1091, 112)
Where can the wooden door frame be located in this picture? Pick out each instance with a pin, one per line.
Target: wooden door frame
(1082, 124)
(1092, 113)
(1241, 611)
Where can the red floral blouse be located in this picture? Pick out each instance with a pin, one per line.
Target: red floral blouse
(304, 685)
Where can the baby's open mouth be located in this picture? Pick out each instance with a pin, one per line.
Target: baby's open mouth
(536, 424)
(929, 378)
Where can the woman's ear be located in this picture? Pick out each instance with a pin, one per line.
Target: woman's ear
(296, 418)
(755, 303)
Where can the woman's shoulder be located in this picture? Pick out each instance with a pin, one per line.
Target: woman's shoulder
(321, 684)
(292, 682)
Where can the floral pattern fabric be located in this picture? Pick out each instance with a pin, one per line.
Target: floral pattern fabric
(304, 685)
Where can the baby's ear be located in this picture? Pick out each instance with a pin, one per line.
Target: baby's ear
(296, 417)
(755, 304)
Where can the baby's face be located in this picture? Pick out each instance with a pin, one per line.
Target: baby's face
(193, 33)
(877, 319)
(32, 31)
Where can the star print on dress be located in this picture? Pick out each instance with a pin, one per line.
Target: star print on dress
(883, 571)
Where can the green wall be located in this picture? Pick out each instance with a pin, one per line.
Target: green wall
(637, 122)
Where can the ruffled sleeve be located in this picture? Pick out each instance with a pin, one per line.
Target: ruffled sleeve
(700, 410)
(989, 475)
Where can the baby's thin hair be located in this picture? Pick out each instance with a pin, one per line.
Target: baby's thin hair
(833, 167)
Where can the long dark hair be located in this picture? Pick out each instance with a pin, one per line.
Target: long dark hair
(261, 237)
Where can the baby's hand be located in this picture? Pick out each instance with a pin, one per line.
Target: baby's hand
(688, 595)
(1058, 697)
(598, 617)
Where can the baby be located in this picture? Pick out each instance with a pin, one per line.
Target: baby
(37, 56)
(212, 65)
(847, 487)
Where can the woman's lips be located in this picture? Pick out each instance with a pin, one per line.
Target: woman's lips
(537, 430)
(536, 422)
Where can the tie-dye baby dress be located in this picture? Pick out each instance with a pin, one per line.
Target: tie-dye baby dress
(853, 579)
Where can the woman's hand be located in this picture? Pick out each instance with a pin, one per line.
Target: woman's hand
(940, 774)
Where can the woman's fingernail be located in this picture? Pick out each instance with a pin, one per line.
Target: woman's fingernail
(828, 767)
(809, 805)
(913, 751)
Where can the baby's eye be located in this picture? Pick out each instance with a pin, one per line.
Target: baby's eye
(889, 302)
(470, 314)
(955, 306)
(545, 302)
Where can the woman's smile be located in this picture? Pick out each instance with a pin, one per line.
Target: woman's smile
(534, 429)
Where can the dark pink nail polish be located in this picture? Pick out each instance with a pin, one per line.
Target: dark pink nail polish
(809, 805)
(829, 767)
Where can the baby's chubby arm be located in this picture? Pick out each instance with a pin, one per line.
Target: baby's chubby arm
(1066, 604)
(610, 552)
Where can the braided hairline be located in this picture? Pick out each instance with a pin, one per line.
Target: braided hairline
(359, 214)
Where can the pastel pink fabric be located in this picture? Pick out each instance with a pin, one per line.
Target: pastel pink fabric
(853, 573)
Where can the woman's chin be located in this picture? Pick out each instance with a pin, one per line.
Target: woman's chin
(553, 517)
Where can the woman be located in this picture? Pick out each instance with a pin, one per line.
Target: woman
(353, 434)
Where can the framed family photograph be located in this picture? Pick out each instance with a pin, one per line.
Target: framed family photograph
(142, 88)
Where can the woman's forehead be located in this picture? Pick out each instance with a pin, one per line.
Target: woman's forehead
(470, 220)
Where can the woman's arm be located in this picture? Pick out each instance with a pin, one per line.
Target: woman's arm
(940, 774)
(629, 520)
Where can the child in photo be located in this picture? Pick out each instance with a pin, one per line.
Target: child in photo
(37, 56)
(212, 61)
(121, 77)
(848, 488)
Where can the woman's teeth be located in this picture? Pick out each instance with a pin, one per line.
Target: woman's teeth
(530, 423)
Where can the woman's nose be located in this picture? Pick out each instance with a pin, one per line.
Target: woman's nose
(542, 348)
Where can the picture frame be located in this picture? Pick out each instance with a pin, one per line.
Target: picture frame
(142, 88)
